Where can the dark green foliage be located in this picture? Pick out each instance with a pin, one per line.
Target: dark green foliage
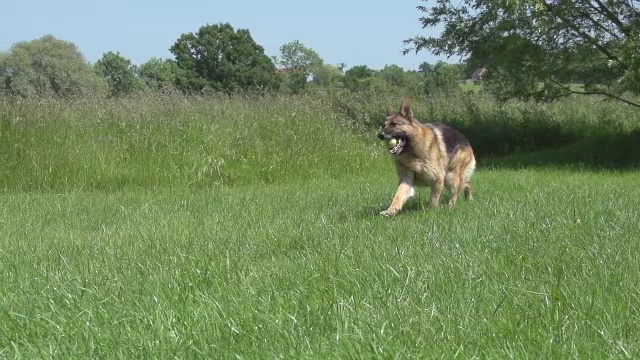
(617, 150)
(497, 129)
(294, 82)
(119, 73)
(358, 78)
(537, 48)
(47, 67)
(441, 78)
(219, 58)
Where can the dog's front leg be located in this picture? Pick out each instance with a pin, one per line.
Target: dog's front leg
(404, 192)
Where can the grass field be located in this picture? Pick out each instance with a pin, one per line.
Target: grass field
(297, 264)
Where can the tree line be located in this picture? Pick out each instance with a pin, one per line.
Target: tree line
(216, 58)
(527, 49)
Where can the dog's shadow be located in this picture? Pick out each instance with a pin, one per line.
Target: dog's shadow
(415, 204)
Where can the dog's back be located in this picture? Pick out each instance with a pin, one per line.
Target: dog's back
(451, 137)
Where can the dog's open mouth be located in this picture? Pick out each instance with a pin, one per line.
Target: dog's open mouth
(395, 145)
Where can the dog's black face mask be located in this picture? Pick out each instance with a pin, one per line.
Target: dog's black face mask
(393, 133)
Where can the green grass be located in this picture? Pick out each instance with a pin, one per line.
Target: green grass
(540, 264)
(174, 141)
(294, 262)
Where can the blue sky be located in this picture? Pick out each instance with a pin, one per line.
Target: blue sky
(354, 32)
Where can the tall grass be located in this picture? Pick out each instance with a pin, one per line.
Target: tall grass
(586, 130)
(173, 140)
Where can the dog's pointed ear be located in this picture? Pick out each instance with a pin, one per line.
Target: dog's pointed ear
(405, 109)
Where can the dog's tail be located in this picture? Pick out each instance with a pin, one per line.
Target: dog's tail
(468, 172)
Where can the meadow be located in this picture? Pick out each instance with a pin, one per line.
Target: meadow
(249, 228)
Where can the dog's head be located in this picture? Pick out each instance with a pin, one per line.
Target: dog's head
(398, 126)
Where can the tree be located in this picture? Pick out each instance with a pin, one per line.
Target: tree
(294, 55)
(222, 59)
(394, 75)
(299, 63)
(536, 48)
(327, 75)
(358, 77)
(441, 77)
(158, 74)
(47, 67)
(119, 73)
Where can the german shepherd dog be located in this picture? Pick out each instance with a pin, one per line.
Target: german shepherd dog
(431, 155)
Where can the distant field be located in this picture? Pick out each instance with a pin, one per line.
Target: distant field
(122, 239)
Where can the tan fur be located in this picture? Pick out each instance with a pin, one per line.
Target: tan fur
(425, 162)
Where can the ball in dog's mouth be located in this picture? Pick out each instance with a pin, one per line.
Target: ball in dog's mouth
(395, 145)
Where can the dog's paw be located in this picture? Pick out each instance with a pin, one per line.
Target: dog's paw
(389, 212)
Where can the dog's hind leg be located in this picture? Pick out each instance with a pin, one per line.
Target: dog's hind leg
(467, 191)
(436, 191)
(454, 183)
